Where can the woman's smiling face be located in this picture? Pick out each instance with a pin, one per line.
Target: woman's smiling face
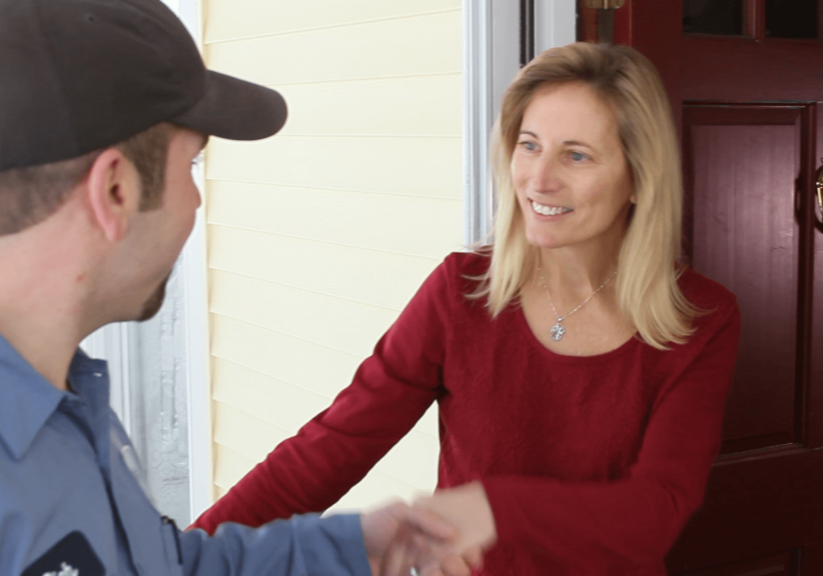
(569, 172)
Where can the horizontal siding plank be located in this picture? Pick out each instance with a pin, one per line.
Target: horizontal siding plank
(224, 20)
(376, 221)
(253, 388)
(261, 396)
(279, 403)
(422, 166)
(250, 437)
(429, 423)
(413, 461)
(420, 45)
(417, 105)
(342, 325)
(377, 278)
(253, 439)
(229, 466)
(374, 490)
(315, 368)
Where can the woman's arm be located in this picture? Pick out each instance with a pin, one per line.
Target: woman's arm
(631, 521)
(390, 392)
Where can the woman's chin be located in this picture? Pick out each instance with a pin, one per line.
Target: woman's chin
(548, 241)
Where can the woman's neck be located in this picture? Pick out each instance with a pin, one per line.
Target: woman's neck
(577, 269)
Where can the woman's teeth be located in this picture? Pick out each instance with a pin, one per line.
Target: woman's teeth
(549, 210)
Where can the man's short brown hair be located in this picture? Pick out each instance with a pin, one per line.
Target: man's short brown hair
(30, 195)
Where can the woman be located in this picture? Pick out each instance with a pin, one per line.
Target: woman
(580, 372)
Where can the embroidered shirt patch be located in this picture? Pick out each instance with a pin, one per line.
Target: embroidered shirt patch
(72, 556)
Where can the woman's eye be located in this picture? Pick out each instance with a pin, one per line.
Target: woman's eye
(530, 146)
(577, 156)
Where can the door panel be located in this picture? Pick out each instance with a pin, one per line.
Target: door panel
(757, 504)
(776, 565)
(726, 68)
(742, 167)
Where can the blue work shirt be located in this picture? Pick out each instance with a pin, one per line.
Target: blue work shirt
(64, 469)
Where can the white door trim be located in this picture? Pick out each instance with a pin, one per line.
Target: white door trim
(491, 58)
(194, 276)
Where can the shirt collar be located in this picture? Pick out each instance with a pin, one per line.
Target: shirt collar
(27, 399)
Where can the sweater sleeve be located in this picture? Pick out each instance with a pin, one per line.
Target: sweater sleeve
(634, 520)
(391, 390)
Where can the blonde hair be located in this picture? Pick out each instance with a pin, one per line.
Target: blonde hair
(646, 284)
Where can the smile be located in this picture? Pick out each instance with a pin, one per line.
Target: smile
(549, 210)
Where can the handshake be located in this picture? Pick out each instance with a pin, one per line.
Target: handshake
(441, 535)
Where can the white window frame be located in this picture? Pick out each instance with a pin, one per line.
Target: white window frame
(193, 269)
(195, 275)
(491, 58)
(115, 342)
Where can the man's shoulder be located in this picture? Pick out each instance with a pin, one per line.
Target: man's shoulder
(53, 491)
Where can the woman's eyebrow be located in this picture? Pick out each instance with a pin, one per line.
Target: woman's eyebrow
(565, 142)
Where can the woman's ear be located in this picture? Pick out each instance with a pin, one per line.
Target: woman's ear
(113, 192)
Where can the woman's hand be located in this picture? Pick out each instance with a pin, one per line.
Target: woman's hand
(466, 508)
(401, 541)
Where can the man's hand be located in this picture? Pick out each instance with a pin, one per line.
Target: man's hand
(467, 509)
(399, 538)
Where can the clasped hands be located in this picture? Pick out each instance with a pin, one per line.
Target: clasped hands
(440, 535)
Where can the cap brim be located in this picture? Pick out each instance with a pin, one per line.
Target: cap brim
(236, 110)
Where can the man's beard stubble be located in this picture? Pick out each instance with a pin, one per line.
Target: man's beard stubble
(152, 306)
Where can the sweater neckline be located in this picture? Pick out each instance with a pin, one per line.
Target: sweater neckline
(624, 348)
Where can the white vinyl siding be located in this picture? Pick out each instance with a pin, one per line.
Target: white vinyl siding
(319, 236)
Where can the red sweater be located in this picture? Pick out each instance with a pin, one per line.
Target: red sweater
(592, 465)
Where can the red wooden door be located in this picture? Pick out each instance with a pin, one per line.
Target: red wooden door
(746, 82)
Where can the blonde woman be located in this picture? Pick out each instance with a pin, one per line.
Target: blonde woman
(581, 373)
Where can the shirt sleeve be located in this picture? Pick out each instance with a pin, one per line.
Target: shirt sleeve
(303, 545)
(391, 390)
(635, 520)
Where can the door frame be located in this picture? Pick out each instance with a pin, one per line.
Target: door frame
(498, 37)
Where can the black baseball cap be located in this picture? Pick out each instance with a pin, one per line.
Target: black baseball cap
(79, 75)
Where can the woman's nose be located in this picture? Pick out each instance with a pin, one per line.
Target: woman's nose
(546, 175)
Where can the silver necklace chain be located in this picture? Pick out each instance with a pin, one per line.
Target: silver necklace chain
(558, 330)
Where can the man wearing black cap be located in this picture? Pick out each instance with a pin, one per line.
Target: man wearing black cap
(104, 104)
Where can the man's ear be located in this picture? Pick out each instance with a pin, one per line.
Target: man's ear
(113, 190)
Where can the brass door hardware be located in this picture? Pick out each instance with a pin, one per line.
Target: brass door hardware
(605, 18)
(605, 4)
